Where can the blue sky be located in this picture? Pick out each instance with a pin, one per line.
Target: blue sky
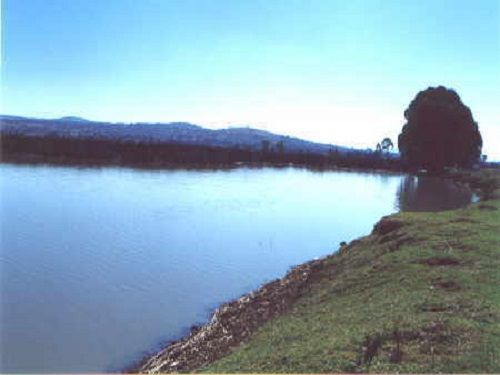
(331, 71)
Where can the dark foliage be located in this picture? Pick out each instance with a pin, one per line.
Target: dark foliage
(90, 151)
(440, 132)
(79, 141)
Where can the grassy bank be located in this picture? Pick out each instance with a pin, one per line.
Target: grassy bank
(420, 294)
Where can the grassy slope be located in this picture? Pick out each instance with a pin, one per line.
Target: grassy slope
(380, 292)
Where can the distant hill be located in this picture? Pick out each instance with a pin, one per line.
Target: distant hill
(73, 119)
(174, 132)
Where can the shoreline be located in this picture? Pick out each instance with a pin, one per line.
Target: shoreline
(234, 322)
(194, 166)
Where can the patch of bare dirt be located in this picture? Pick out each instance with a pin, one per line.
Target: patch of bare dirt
(487, 207)
(435, 307)
(387, 224)
(440, 261)
(448, 285)
(434, 338)
(463, 220)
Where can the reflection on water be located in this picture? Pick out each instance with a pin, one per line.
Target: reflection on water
(427, 193)
(100, 264)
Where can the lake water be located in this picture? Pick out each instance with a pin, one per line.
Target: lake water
(100, 265)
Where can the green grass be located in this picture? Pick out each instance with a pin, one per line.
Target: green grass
(380, 294)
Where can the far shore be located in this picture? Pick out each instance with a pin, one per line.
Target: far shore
(195, 166)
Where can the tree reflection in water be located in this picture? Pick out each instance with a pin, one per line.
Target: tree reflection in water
(426, 193)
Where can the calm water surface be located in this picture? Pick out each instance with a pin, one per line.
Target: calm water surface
(99, 265)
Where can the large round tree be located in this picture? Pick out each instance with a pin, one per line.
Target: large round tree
(439, 132)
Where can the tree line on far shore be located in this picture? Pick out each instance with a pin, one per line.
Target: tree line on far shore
(440, 133)
(91, 151)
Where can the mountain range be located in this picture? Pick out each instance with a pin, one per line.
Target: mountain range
(173, 132)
